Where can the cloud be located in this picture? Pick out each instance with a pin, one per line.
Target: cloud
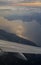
(15, 1)
(25, 0)
(32, 0)
(10, 2)
(26, 18)
(28, 30)
(4, 2)
(15, 26)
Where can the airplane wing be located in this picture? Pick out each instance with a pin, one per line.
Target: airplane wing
(19, 49)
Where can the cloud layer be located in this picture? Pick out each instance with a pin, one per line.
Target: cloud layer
(4, 2)
(15, 26)
(9, 2)
(27, 30)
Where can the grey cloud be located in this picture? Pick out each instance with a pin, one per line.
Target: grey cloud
(4, 2)
(16, 1)
(26, 18)
(26, 0)
(32, 30)
(7, 2)
(32, 0)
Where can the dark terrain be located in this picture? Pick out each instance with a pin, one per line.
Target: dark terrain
(14, 38)
(10, 59)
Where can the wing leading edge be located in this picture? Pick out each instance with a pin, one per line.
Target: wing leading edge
(19, 49)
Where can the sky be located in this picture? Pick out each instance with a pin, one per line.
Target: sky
(9, 2)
